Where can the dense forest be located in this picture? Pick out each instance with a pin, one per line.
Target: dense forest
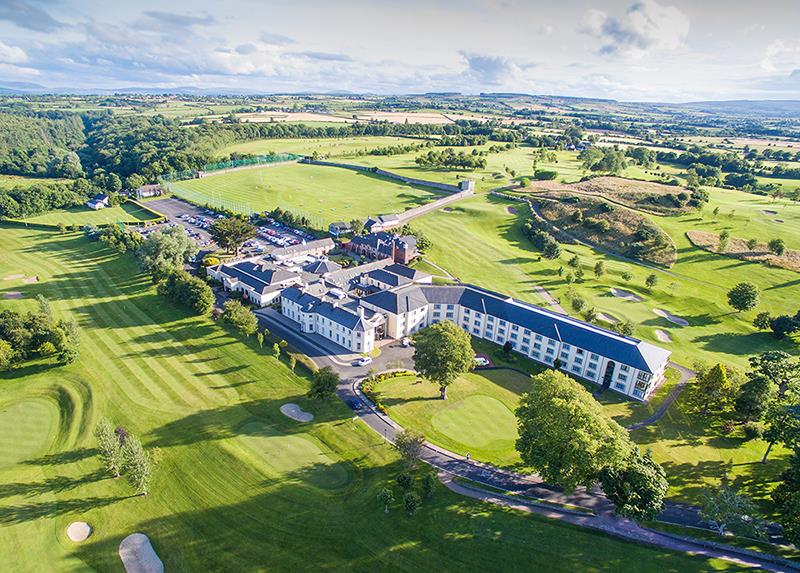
(41, 145)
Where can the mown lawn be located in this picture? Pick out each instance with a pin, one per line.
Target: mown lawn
(238, 486)
(124, 213)
(324, 194)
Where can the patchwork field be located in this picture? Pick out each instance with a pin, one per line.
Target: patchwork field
(324, 194)
(329, 147)
(124, 213)
(238, 486)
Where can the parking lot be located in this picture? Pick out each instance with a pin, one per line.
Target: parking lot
(194, 219)
(274, 234)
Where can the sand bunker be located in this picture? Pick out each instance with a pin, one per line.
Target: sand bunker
(296, 413)
(13, 277)
(769, 212)
(512, 210)
(138, 556)
(79, 531)
(447, 209)
(607, 318)
(12, 294)
(671, 317)
(627, 295)
(30, 280)
(777, 220)
(663, 336)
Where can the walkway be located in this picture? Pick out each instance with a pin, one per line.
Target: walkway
(686, 375)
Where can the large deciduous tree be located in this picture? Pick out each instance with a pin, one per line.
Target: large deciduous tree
(410, 443)
(231, 232)
(164, 251)
(565, 435)
(442, 352)
(727, 510)
(636, 489)
(323, 384)
(240, 317)
(713, 388)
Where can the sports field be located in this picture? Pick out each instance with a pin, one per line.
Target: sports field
(238, 486)
(124, 213)
(323, 194)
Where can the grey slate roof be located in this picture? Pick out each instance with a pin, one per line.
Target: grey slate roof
(300, 248)
(389, 278)
(627, 350)
(334, 312)
(322, 267)
(407, 272)
(256, 275)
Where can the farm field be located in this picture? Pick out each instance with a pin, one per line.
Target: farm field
(11, 181)
(324, 194)
(238, 485)
(339, 147)
(125, 213)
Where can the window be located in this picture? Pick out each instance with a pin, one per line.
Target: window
(514, 327)
(644, 376)
(513, 336)
(526, 339)
(638, 393)
(538, 337)
(594, 356)
(576, 368)
(501, 331)
(566, 347)
(551, 342)
(578, 360)
(592, 366)
(476, 322)
(622, 378)
(476, 331)
(550, 351)
(450, 307)
(502, 323)
(449, 315)
(526, 332)
(536, 355)
(490, 319)
(624, 368)
(437, 306)
(619, 386)
(564, 355)
(579, 352)
(537, 346)
(525, 348)
(466, 311)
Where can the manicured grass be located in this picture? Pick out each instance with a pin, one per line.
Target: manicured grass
(478, 416)
(226, 496)
(324, 194)
(125, 213)
(27, 429)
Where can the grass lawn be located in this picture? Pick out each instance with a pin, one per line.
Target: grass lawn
(331, 147)
(126, 213)
(238, 486)
(324, 194)
(11, 181)
(478, 416)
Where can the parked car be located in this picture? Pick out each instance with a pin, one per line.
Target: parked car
(481, 361)
(406, 342)
(363, 361)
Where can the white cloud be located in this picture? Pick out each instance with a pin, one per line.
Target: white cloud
(12, 54)
(490, 70)
(781, 56)
(646, 26)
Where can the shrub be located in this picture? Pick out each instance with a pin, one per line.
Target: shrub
(545, 175)
(578, 304)
(405, 481)
(728, 427)
(752, 431)
(412, 502)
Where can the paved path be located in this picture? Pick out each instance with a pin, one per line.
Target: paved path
(545, 294)
(686, 375)
(554, 501)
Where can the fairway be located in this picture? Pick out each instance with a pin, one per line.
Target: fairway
(26, 430)
(124, 213)
(236, 486)
(297, 456)
(323, 194)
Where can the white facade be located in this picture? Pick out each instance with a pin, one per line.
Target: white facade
(357, 339)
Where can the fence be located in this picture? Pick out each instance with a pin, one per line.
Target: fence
(227, 165)
(388, 174)
(214, 200)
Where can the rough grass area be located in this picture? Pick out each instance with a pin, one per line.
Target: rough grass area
(11, 181)
(323, 194)
(644, 195)
(618, 233)
(738, 249)
(191, 388)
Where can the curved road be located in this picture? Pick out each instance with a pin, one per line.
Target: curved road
(591, 508)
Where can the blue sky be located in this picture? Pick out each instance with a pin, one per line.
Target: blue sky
(644, 50)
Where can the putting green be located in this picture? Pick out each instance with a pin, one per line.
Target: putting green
(480, 422)
(297, 456)
(26, 430)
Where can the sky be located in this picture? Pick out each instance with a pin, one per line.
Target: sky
(630, 50)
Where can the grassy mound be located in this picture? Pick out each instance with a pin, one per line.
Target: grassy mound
(616, 229)
(647, 196)
(738, 249)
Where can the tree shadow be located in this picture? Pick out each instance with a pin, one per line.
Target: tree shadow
(59, 458)
(12, 514)
(57, 484)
